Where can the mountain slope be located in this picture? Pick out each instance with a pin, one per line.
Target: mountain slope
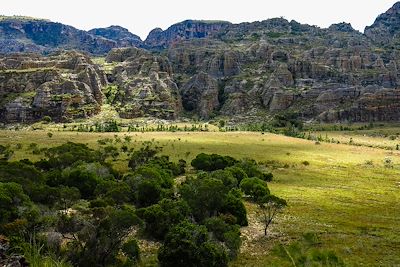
(386, 28)
(250, 71)
(123, 37)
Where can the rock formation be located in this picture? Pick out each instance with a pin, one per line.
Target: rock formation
(205, 69)
(122, 36)
(63, 86)
(186, 30)
(143, 85)
(386, 28)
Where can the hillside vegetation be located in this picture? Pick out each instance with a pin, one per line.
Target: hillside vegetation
(346, 195)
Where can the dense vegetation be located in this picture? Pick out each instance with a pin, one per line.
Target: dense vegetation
(79, 210)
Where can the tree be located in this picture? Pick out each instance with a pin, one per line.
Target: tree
(67, 196)
(131, 249)
(233, 205)
(270, 206)
(16, 209)
(143, 156)
(255, 188)
(226, 177)
(188, 245)
(25, 174)
(110, 151)
(224, 232)
(98, 237)
(149, 183)
(46, 119)
(84, 180)
(212, 162)
(159, 218)
(67, 154)
(252, 169)
(237, 172)
(148, 193)
(204, 196)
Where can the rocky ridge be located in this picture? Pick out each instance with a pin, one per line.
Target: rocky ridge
(210, 68)
(122, 36)
(142, 85)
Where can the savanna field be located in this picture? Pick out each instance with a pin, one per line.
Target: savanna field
(346, 195)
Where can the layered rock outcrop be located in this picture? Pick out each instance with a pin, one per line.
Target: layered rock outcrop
(20, 34)
(143, 85)
(63, 86)
(206, 69)
(122, 36)
(186, 30)
(386, 28)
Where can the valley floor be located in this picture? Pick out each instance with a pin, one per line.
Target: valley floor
(345, 194)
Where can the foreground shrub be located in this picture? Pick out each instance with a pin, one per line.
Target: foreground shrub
(188, 245)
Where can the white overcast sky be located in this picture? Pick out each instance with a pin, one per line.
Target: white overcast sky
(142, 16)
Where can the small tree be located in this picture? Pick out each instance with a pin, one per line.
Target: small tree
(132, 251)
(270, 206)
(256, 188)
(189, 245)
(67, 196)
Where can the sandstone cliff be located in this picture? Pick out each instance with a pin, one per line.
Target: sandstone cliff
(143, 85)
(63, 86)
(205, 69)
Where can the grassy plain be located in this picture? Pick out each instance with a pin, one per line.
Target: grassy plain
(345, 195)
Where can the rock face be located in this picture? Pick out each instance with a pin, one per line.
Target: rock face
(121, 36)
(33, 35)
(63, 86)
(386, 27)
(24, 34)
(206, 69)
(188, 29)
(200, 94)
(143, 85)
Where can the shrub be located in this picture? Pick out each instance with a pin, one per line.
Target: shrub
(226, 177)
(237, 172)
(131, 249)
(188, 245)
(255, 188)
(233, 205)
(224, 232)
(252, 169)
(204, 196)
(212, 162)
(159, 218)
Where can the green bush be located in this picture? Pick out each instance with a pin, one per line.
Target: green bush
(188, 245)
(131, 249)
(212, 162)
(159, 218)
(255, 188)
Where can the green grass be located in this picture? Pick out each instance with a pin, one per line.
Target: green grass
(27, 70)
(351, 204)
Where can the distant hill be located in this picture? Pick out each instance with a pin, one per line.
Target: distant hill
(24, 34)
(123, 37)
